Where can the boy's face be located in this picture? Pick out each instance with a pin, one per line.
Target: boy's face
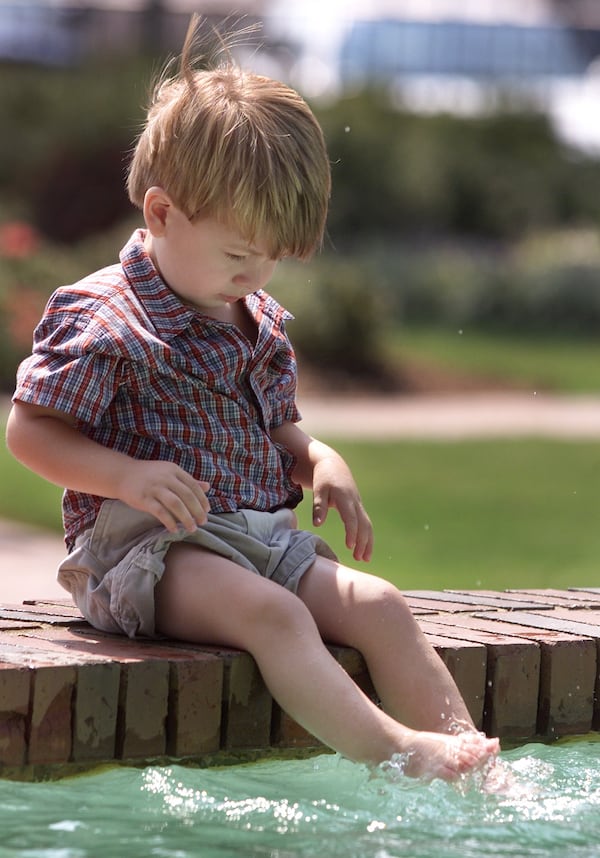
(206, 263)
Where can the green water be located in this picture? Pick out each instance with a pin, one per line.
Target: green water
(324, 807)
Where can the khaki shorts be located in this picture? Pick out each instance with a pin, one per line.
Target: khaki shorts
(113, 568)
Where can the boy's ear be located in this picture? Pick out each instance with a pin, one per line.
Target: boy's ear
(156, 210)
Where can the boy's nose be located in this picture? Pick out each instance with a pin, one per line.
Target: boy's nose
(245, 282)
(253, 277)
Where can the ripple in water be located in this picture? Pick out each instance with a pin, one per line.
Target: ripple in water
(325, 806)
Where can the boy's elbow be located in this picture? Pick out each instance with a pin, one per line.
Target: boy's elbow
(12, 433)
(21, 428)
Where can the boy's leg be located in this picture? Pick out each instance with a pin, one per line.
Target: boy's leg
(208, 599)
(353, 608)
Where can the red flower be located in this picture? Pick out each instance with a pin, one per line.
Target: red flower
(18, 240)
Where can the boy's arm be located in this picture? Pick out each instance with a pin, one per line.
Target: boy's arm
(47, 442)
(322, 469)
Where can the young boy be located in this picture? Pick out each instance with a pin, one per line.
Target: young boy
(161, 394)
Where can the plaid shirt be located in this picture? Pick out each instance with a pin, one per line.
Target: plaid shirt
(149, 376)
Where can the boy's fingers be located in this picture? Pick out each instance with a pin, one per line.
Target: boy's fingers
(181, 502)
(359, 532)
(320, 508)
(350, 520)
(364, 543)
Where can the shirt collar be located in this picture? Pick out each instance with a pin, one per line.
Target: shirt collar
(168, 314)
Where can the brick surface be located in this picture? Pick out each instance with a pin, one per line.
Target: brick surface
(287, 733)
(196, 693)
(15, 689)
(50, 729)
(512, 680)
(247, 704)
(458, 601)
(13, 624)
(37, 615)
(567, 674)
(577, 623)
(571, 597)
(526, 662)
(143, 707)
(95, 711)
(467, 663)
(567, 681)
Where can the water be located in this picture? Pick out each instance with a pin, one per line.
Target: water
(324, 806)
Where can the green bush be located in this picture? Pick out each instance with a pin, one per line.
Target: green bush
(549, 285)
(338, 319)
(66, 136)
(64, 144)
(496, 176)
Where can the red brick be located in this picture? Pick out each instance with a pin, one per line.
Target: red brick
(567, 673)
(50, 736)
(15, 688)
(287, 733)
(426, 602)
(512, 681)
(196, 693)
(247, 704)
(467, 663)
(566, 598)
(143, 708)
(95, 711)
(567, 683)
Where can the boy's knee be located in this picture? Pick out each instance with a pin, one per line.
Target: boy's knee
(281, 612)
(384, 600)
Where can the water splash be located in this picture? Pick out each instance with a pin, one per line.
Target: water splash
(325, 806)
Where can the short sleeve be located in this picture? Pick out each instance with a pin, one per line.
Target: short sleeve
(70, 369)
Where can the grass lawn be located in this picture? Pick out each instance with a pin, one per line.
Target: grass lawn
(557, 364)
(25, 496)
(489, 514)
(482, 514)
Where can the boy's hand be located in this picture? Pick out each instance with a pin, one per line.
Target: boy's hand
(334, 487)
(167, 492)
(48, 442)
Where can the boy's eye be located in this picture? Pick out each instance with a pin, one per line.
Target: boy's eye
(235, 257)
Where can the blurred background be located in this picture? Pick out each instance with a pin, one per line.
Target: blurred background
(465, 142)
(462, 254)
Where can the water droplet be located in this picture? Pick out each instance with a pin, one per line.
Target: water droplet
(460, 332)
(347, 129)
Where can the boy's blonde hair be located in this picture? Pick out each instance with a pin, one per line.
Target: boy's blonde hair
(239, 147)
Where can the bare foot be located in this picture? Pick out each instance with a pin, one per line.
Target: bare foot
(447, 756)
(499, 780)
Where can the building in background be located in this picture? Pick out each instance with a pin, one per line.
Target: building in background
(463, 56)
(65, 32)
